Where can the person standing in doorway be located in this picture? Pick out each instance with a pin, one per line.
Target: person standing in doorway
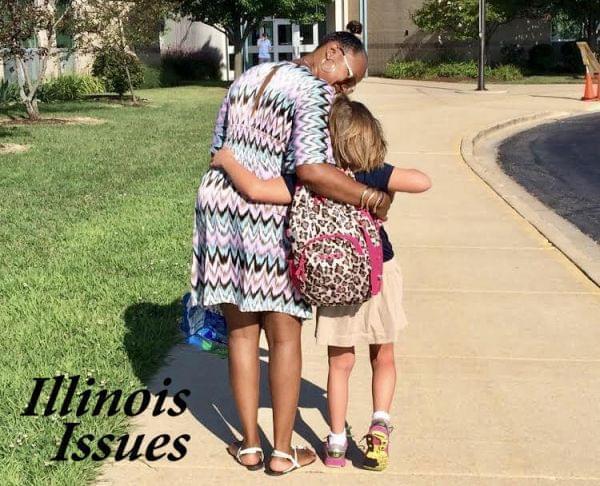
(264, 48)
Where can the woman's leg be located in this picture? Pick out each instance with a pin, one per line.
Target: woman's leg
(341, 361)
(243, 329)
(384, 375)
(285, 366)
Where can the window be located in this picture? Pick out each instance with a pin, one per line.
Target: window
(64, 38)
(284, 34)
(307, 34)
(322, 30)
(285, 56)
(31, 43)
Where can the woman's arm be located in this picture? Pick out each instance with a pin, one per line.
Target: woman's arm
(271, 191)
(408, 180)
(310, 146)
(326, 180)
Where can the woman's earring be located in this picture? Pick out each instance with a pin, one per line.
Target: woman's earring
(328, 68)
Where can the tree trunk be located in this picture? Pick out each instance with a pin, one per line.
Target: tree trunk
(238, 61)
(124, 48)
(31, 105)
(238, 52)
(27, 91)
(130, 83)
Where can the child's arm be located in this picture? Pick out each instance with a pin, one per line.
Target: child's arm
(271, 191)
(408, 180)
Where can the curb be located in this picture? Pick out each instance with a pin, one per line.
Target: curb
(479, 151)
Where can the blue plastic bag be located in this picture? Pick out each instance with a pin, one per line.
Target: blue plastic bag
(204, 328)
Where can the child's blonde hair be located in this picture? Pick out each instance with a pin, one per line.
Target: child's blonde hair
(356, 136)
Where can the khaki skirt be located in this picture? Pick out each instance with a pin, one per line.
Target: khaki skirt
(377, 321)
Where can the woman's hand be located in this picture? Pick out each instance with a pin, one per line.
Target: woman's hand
(222, 158)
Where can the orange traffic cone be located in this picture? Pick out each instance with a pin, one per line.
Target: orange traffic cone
(590, 92)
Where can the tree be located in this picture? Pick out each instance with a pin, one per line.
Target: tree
(585, 12)
(121, 25)
(237, 19)
(459, 19)
(25, 22)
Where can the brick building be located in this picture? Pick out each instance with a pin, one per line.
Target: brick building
(389, 33)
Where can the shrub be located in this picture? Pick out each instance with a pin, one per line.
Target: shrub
(542, 58)
(70, 87)
(109, 66)
(9, 92)
(466, 69)
(506, 72)
(184, 67)
(449, 70)
(405, 69)
(151, 77)
(570, 58)
(512, 54)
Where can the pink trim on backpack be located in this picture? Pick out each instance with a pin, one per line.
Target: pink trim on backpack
(333, 256)
(297, 272)
(376, 257)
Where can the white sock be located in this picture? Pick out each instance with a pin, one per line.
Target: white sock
(381, 415)
(337, 439)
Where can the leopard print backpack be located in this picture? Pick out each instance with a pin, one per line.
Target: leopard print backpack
(336, 257)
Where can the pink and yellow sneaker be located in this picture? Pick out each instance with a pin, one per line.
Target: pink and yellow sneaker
(334, 455)
(377, 450)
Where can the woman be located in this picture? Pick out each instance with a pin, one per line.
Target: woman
(274, 121)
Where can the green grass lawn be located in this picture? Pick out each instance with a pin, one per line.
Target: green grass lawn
(95, 241)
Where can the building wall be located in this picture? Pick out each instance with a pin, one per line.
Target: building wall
(60, 62)
(185, 35)
(392, 34)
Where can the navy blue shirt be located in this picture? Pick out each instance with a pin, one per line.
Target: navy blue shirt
(378, 179)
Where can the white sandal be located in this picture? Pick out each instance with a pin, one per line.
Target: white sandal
(248, 450)
(293, 459)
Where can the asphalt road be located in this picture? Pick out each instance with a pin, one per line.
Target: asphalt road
(559, 163)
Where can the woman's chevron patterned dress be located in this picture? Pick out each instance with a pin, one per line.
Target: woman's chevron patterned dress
(240, 249)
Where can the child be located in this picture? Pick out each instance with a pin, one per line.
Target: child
(358, 144)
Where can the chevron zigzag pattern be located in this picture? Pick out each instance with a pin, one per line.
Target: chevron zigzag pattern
(240, 249)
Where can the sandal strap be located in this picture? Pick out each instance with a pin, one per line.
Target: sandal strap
(249, 450)
(293, 459)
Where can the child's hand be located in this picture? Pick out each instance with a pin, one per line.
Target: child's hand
(221, 158)
(384, 207)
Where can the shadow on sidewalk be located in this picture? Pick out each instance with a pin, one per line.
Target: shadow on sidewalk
(147, 341)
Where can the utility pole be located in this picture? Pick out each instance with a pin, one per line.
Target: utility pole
(481, 76)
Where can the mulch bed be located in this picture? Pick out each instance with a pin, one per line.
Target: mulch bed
(76, 120)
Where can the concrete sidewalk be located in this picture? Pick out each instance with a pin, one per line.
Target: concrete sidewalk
(499, 370)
